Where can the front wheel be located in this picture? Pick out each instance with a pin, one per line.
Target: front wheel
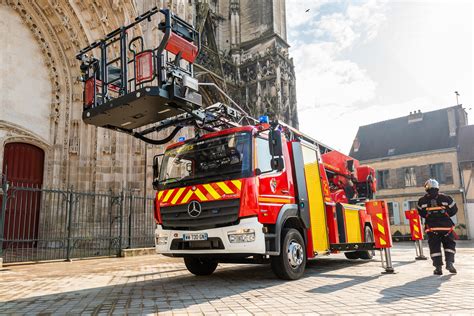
(291, 262)
(199, 266)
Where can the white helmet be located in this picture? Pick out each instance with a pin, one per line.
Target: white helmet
(431, 184)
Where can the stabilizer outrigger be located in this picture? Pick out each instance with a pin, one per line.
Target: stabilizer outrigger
(140, 86)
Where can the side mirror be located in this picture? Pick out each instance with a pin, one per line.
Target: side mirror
(274, 141)
(277, 163)
(156, 170)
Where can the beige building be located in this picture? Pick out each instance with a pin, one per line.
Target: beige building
(466, 166)
(244, 52)
(407, 151)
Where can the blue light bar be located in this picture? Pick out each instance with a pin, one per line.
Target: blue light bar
(181, 139)
(263, 119)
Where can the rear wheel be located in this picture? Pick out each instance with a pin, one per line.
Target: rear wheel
(291, 262)
(352, 255)
(369, 237)
(199, 266)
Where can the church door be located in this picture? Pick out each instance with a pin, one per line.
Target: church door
(23, 165)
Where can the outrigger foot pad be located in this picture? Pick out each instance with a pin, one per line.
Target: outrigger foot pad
(389, 271)
(421, 258)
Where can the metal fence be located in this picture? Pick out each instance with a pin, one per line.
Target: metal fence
(46, 224)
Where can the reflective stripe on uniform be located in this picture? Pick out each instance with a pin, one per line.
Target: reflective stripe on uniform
(436, 254)
(437, 229)
(424, 205)
(444, 203)
(450, 250)
(452, 204)
(418, 207)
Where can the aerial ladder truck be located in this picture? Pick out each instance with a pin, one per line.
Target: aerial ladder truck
(242, 190)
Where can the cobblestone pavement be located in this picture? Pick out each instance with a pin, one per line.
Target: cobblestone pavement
(150, 284)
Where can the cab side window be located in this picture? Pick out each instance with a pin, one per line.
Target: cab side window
(263, 155)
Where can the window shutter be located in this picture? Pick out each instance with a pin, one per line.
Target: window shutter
(396, 213)
(406, 206)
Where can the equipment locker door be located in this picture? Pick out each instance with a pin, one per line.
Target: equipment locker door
(317, 212)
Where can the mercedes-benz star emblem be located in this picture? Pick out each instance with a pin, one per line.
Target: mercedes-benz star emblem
(194, 209)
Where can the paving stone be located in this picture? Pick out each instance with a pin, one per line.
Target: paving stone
(159, 285)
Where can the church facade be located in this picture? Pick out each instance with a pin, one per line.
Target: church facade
(42, 137)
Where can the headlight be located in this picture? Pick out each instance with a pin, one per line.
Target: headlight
(161, 239)
(241, 235)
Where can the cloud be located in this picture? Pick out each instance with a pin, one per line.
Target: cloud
(324, 81)
(319, 39)
(360, 62)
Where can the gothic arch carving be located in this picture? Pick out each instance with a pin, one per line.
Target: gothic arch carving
(59, 29)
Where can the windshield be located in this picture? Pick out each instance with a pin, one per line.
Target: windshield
(212, 159)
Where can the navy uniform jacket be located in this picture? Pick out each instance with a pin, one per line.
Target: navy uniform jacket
(437, 212)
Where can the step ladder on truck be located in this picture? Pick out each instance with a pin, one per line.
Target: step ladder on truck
(259, 192)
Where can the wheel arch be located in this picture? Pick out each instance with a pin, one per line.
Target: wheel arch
(288, 217)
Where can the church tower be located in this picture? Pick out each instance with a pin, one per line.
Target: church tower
(245, 51)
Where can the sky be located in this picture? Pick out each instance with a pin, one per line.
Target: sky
(361, 62)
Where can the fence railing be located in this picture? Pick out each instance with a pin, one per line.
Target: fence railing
(39, 224)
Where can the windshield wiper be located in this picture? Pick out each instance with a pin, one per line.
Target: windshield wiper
(170, 179)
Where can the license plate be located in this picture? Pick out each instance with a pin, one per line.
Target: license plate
(197, 236)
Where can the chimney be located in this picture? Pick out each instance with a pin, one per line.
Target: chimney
(416, 116)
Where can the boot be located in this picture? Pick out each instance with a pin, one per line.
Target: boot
(450, 267)
(438, 271)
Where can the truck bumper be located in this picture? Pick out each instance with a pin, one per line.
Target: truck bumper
(164, 239)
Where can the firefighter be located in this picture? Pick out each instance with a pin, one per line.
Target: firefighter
(437, 210)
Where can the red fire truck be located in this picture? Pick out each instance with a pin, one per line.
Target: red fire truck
(262, 192)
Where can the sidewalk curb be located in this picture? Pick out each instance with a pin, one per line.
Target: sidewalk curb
(137, 252)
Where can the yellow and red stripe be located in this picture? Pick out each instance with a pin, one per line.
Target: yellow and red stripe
(275, 199)
(222, 190)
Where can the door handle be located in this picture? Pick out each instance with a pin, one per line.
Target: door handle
(285, 191)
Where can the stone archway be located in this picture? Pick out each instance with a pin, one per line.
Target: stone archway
(61, 29)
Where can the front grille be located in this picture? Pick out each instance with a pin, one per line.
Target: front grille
(211, 243)
(213, 214)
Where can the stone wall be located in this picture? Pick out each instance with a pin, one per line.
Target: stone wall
(41, 100)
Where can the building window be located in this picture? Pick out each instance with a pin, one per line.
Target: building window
(437, 172)
(410, 177)
(382, 179)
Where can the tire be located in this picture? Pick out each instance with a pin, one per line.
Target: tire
(352, 255)
(291, 262)
(369, 237)
(200, 266)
